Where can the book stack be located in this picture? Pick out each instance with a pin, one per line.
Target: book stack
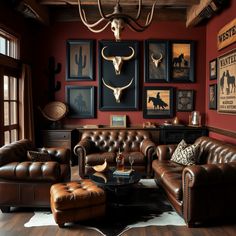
(125, 172)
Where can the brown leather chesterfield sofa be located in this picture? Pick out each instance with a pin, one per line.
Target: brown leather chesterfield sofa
(26, 183)
(96, 146)
(203, 192)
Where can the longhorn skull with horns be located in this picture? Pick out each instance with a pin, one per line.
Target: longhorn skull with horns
(117, 19)
(117, 60)
(157, 61)
(118, 90)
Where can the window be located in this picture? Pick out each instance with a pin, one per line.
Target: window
(9, 94)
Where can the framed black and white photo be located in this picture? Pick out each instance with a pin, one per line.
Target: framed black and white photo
(158, 102)
(80, 60)
(156, 61)
(213, 96)
(185, 100)
(213, 69)
(80, 100)
(182, 61)
(118, 75)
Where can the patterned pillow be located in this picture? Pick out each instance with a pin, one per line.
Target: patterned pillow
(185, 155)
(39, 156)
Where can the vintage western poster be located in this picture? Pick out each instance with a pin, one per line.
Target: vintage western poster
(226, 82)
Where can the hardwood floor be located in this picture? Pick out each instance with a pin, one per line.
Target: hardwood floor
(12, 224)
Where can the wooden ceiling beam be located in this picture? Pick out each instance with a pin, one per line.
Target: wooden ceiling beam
(164, 14)
(164, 3)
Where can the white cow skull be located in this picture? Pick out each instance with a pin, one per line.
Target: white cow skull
(117, 26)
(118, 90)
(117, 60)
(157, 61)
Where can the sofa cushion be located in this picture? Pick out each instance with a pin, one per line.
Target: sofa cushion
(38, 156)
(31, 171)
(185, 155)
(98, 158)
(170, 174)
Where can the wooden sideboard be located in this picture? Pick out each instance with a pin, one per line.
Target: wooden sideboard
(61, 138)
(174, 134)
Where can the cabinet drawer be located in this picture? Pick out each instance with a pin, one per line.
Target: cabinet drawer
(57, 135)
(65, 144)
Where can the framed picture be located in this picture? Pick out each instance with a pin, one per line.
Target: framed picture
(80, 100)
(118, 75)
(79, 60)
(185, 100)
(213, 96)
(156, 61)
(182, 61)
(213, 69)
(118, 120)
(226, 83)
(158, 102)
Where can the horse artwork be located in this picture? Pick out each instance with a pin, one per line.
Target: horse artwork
(158, 102)
(226, 99)
(182, 62)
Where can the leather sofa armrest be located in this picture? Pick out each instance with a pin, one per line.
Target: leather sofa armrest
(85, 145)
(146, 146)
(205, 175)
(164, 152)
(208, 191)
(59, 154)
(81, 149)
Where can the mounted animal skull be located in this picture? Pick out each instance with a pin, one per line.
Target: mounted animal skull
(117, 26)
(157, 61)
(118, 90)
(117, 60)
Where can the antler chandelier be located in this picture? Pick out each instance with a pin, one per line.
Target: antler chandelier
(117, 19)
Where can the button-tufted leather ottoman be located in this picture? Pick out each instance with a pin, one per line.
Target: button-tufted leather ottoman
(75, 201)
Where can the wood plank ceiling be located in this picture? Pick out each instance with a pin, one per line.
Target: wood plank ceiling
(190, 11)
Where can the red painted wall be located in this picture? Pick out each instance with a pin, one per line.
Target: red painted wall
(214, 119)
(52, 42)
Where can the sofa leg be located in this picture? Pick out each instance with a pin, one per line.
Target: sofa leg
(61, 225)
(5, 209)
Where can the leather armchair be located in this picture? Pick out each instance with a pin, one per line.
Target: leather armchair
(26, 183)
(96, 146)
(202, 192)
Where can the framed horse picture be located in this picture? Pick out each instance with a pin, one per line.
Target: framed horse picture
(158, 102)
(80, 100)
(226, 83)
(182, 61)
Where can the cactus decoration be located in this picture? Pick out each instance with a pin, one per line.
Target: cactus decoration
(79, 61)
(53, 86)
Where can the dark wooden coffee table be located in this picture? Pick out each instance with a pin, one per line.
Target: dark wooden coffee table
(116, 185)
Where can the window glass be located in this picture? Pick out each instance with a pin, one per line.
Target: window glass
(6, 88)
(7, 137)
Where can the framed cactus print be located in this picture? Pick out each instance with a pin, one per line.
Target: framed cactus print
(79, 60)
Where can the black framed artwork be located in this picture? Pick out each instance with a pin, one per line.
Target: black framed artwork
(80, 60)
(185, 100)
(158, 102)
(182, 61)
(118, 75)
(213, 96)
(213, 69)
(80, 100)
(156, 61)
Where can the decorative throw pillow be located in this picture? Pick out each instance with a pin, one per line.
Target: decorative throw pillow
(39, 156)
(185, 155)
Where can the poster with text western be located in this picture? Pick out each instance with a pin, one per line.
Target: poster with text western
(226, 83)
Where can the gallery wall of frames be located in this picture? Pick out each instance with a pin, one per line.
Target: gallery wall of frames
(165, 61)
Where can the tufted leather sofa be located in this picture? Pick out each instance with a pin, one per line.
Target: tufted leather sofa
(96, 146)
(25, 183)
(202, 192)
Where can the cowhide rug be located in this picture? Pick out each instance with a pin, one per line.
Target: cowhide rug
(143, 205)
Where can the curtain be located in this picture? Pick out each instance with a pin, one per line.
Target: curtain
(26, 105)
